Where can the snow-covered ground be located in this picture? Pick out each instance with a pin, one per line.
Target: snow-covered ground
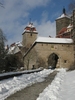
(61, 88)
(10, 86)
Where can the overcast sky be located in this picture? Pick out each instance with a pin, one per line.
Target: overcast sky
(16, 15)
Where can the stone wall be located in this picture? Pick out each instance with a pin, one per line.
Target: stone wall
(28, 38)
(44, 50)
(61, 23)
(30, 59)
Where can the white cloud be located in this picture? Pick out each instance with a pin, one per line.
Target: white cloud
(46, 29)
(17, 11)
(34, 3)
(44, 16)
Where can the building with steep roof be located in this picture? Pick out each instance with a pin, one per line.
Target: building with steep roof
(65, 32)
(46, 51)
(63, 21)
(29, 35)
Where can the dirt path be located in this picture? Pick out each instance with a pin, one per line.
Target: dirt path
(33, 91)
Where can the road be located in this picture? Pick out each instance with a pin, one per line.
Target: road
(32, 92)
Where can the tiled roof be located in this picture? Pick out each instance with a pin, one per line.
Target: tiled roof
(63, 30)
(63, 15)
(30, 28)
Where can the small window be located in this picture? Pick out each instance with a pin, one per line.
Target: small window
(30, 34)
(65, 61)
(42, 44)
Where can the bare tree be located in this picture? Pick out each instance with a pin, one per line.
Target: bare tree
(71, 6)
(2, 50)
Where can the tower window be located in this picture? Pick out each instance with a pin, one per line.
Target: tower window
(30, 34)
(65, 61)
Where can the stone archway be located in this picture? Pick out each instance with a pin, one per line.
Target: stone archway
(52, 60)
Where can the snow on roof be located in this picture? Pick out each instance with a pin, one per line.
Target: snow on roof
(53, 40)
(30, 28)
(14, 48)
(10, 51)
(19, 43)
(30, 25)
(70, 26)
(63, 15)
(11, 48)
(29, 31)
(49, 40)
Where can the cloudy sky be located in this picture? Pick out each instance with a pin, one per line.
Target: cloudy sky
(16, 14)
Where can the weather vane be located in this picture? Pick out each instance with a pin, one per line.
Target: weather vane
(29, 20)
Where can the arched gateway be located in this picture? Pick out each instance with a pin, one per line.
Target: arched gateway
(52, 60)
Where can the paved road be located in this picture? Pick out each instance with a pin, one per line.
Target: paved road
(32, 92)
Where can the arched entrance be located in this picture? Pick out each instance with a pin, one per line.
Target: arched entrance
(52, 60)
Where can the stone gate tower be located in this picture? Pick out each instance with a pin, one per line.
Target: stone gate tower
(62, 21)
(29, 35)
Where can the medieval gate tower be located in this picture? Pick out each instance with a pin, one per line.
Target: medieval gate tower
(29, 35)
(62, 21)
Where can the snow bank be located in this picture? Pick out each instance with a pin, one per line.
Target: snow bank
(67, 91)
(52, 91)
(10, 86)
(61, 88)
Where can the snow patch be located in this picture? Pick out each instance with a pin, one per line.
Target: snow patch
(52, 91)
(12, 85)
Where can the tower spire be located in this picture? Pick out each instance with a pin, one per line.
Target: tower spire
(64, 11)
(30, 21)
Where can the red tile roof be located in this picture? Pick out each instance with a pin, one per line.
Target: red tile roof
(63, 30)
(63, 33)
